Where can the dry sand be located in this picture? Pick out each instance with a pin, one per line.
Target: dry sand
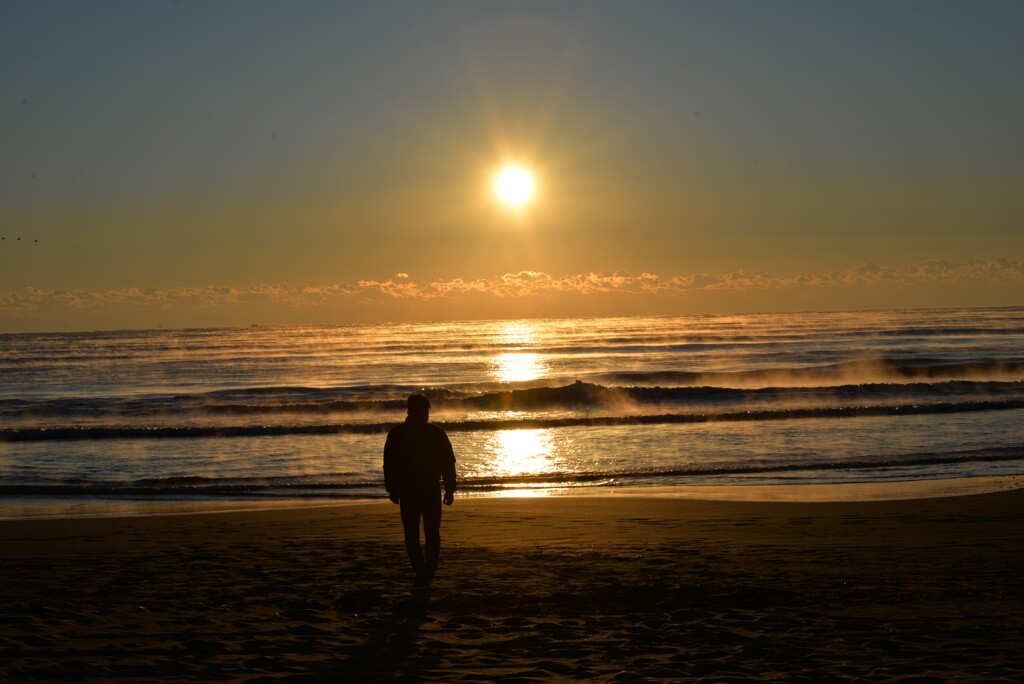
(595, 588)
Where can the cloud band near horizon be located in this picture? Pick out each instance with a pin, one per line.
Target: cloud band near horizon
(521, 285)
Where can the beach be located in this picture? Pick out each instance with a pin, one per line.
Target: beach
(606, 588)
(709, 316)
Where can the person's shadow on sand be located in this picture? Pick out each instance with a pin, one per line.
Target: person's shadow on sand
(390, 652)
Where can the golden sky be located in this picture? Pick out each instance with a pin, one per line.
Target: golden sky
(223, 163)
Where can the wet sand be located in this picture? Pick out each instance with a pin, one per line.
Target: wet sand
(603, 588)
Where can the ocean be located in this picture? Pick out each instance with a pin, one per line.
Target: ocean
(135, 420)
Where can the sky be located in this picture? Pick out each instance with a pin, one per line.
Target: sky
(185, 163)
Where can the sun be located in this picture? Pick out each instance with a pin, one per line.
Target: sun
(514, 186)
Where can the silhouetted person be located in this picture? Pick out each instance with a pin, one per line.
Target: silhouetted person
(417, 456)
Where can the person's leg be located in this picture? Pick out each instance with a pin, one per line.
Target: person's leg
(432, 533)
(411, 512)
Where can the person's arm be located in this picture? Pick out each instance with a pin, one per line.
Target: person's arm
(448, 470)
(390, 466)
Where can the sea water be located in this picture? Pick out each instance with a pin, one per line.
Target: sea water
(300, 413)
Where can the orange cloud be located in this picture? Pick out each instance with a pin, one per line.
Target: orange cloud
(524, 284)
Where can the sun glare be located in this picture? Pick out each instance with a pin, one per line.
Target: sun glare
(514, 186)
(518, 367)
(522, 451)
(517, 364)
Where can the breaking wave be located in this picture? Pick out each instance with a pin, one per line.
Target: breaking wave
(193, 431)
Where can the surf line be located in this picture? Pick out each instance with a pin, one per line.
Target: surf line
(122, 432)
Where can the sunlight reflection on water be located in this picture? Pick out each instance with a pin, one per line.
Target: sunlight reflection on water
(519, 367)
(518, 364)
(522, 451)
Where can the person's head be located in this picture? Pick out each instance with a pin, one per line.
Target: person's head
(419, 407)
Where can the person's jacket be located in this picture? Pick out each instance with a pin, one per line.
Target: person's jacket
(417, 455)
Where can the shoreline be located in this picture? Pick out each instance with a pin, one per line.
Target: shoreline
(621, 588)
(13, 511)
